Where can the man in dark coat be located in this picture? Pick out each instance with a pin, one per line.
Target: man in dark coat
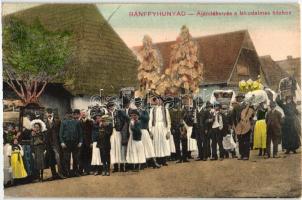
(53, 149)
(217, 133)
(207, 123)
(178, 132)
(71, 139)
(290, 128)
(273, 123)
(243, 138)
(198, 127)
(125, 120)
(86, 150)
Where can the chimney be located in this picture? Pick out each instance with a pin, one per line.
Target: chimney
(289, 57)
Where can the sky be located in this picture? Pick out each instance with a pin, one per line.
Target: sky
(275, 35)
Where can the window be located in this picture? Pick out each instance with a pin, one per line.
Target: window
(242, 70)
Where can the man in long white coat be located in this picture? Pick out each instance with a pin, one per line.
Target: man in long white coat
(159, 127)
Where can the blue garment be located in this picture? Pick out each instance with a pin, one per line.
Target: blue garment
(28, 160)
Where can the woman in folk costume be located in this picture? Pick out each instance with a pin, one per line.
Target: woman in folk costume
(116, 137)
(38, 146)
(15, 152)
(96, 161)
(101, 134)
(290, 128)
(146, 139)
(260, 134)
(159, 127)
(188, 119)
(135, 147)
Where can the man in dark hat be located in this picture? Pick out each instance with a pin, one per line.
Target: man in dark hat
(216, 133)
(273, 121)
(199, 128)
(71, 139)
(207, 123)
(178, 131)
(53, 149)
(86, 150)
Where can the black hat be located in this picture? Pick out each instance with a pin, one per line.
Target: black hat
(76, 111)
(110, 104)
(217, 105)
(272, 103)
(97, 111)
(134, 112)
(69, 111)
(208, 104)
(138, 101)
(240, 95)
(49, 110)
(197, 101)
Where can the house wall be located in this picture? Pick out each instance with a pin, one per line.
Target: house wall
(53, 97)
(78, 102)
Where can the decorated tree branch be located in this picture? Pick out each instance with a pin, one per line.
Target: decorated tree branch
(33, 56)
(185, 70)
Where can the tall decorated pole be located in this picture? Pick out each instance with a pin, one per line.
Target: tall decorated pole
(185, 69)
(149, 68)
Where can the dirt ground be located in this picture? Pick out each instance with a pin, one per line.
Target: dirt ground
(257, 177)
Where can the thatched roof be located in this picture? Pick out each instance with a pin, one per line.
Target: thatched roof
(272, 71)
(100, 59)
(292, 66)
(218, 53)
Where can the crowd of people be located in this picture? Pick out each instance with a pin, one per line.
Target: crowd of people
(111, 140)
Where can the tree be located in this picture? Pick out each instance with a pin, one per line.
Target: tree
(33, 56)
(185, 70)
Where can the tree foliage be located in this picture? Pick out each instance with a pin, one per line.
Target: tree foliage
(33, 56)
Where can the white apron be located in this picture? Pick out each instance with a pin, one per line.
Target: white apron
(135, 151)
(192, 143)
(116, 147)
(148, 145)
(172, 144)
(96, 155)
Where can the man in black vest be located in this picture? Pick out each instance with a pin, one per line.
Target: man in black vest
(179, 132)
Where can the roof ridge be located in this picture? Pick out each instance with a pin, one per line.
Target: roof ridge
(199, 37)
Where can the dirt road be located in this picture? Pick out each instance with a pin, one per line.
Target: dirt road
(257, 177)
